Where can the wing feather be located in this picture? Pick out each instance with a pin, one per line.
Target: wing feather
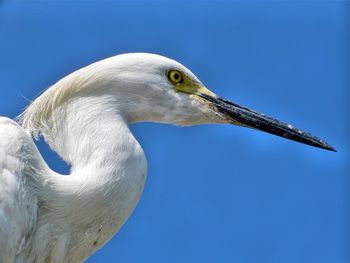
(18, 201)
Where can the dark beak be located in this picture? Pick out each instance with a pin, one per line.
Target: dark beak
(243, 116)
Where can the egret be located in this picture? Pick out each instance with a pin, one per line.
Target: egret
(84, 117)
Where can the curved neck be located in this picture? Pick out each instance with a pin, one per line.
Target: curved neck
(104, 155)
(85, 129)
(86, 208)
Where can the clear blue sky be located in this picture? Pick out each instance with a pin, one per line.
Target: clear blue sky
(214, 193)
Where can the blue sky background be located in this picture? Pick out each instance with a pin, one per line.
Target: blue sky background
(214, 193)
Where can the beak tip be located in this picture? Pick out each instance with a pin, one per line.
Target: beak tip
(331, 148)
(327, 146)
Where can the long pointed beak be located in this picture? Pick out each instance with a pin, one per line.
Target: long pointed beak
(243, 116)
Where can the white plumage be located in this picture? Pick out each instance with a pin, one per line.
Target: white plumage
(48, 217)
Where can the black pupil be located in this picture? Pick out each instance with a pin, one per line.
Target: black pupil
(176, 76)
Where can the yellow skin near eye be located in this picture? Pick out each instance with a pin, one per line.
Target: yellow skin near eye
(185, 84)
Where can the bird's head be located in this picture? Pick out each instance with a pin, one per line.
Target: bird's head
(165, 91)
(147, 87)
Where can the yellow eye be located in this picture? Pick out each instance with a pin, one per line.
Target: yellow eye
(175, 76)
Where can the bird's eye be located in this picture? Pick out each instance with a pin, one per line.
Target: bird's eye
(175, 76)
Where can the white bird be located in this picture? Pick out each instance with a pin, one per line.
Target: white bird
(48, 217)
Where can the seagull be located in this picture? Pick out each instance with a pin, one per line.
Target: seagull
(85, 117)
